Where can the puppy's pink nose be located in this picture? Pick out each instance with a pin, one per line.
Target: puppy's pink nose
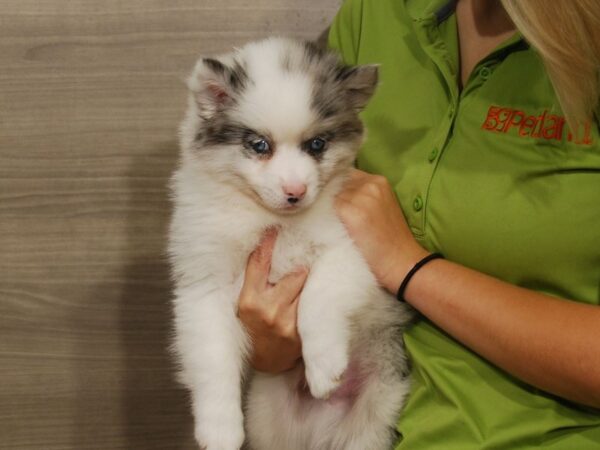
(294, 190)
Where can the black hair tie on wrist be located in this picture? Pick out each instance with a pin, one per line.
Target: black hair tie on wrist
(411, 272)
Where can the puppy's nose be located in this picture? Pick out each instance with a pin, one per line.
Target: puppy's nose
(294, 191)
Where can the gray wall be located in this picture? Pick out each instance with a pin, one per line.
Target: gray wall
(91, 93)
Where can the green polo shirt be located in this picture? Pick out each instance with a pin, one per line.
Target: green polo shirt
(492, 177)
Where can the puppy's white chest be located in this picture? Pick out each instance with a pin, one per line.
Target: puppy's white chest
(294, 249)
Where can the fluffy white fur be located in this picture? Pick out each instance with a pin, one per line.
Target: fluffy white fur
(225, 198)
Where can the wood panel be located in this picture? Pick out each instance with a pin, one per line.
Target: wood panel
(91, 94)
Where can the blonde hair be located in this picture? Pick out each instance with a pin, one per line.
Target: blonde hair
(566, 34)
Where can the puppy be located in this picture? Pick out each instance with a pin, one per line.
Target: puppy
(271, 133)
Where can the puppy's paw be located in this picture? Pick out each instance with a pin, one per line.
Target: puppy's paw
(219, 435)
(324, 372)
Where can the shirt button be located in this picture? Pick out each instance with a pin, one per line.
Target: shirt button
(485, 72)
(451, 112)
(433, 154)
(418, 203)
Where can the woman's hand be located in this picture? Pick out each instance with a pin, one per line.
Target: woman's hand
(269, 311)
(368, 208)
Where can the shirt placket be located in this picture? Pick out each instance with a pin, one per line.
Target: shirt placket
(428, 34)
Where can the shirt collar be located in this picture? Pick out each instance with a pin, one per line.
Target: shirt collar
(444, 11)
(435, 11)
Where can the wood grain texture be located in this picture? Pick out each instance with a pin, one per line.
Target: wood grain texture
(91, 94)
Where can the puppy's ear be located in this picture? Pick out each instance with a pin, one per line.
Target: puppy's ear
(359, 83)
(215, 85)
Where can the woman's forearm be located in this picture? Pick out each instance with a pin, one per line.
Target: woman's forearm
(550, 343)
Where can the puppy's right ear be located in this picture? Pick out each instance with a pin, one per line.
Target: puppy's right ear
(214, 86)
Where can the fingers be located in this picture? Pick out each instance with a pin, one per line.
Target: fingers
(271, 305)
(269, 312)
(283, 324)
(290, 319)
(290, 286)
(357, 173)
(363, 187)
(259, 262)
(354, 181)
(270, 317)
(346, 198)
(357, 177)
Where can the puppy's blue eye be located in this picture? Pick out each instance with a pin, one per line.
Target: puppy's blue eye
(316, 145)
(260, 146)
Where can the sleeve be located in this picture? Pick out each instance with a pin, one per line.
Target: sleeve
(344, 33)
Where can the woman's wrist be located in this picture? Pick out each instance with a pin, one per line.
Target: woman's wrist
(400, 264)
(401, 294)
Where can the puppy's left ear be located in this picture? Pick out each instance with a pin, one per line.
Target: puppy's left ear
(214, 85)
(359, 83)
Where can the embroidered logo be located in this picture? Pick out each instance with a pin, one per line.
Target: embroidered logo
(545, 126)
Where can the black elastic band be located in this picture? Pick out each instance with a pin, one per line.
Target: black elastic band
(410, 274)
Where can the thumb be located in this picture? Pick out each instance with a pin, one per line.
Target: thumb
(291, 284)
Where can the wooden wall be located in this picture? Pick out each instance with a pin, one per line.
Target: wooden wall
(91, 93)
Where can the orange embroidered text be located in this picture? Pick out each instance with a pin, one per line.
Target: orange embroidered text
(543, 126)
